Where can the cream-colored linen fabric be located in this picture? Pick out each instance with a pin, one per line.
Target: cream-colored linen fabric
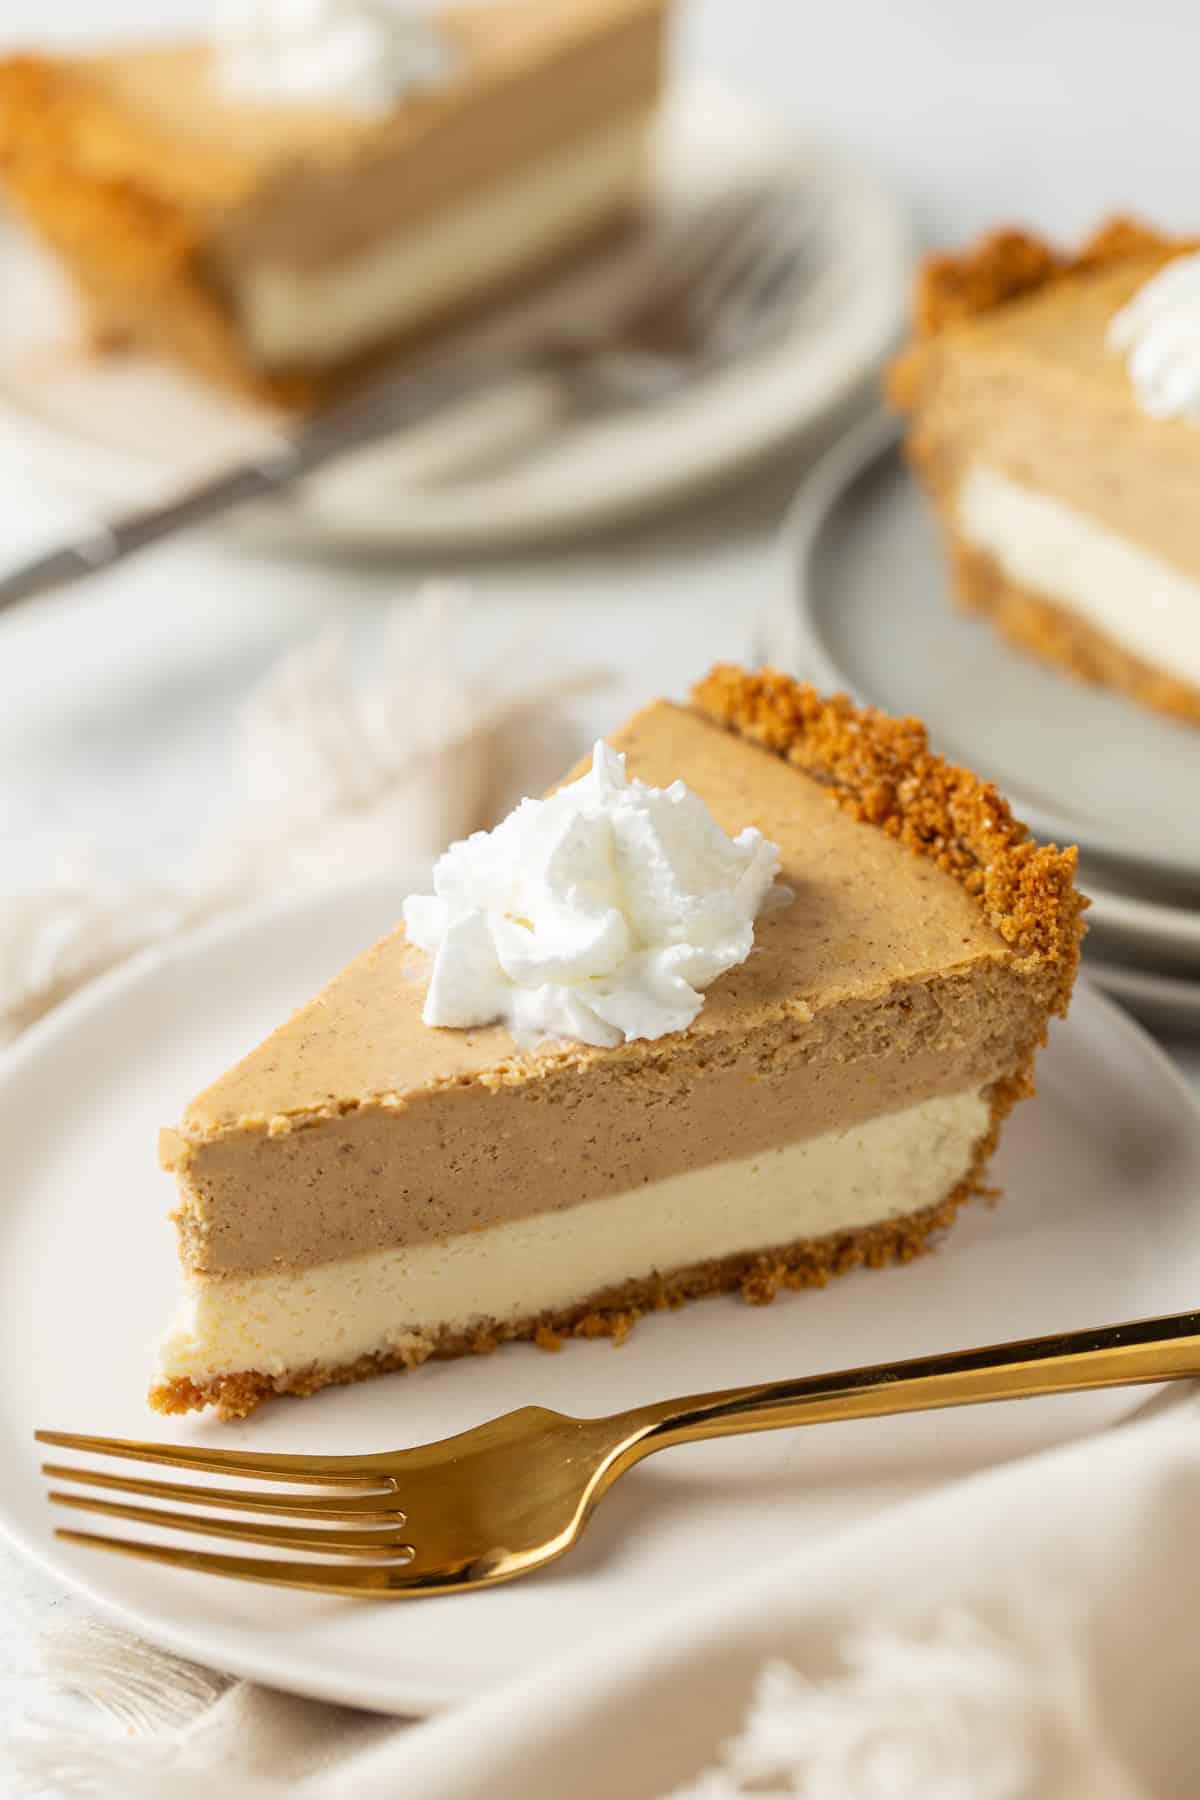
(331, 777)
(1031, 1633)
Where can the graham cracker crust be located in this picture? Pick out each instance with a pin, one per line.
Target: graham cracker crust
(1035, 622)
(758, 1275)
(882, 771)
(1009, 263)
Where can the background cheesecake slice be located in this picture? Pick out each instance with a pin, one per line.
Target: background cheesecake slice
(1070, 512)
(363, 1192)
(280, 247)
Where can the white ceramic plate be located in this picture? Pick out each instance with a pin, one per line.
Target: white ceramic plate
(865, 606)
(122, 428)
(1100, 1223)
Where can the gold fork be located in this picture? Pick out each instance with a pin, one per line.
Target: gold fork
(508, 1496)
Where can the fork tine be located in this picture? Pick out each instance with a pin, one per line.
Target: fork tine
(319, 1470)
(397, 1578)
(312, 1506)
(722, 240)
(684, 246)
(766, 295)
(686, 251)
(293, 1537)
(739, 251)
(777, 268)
(771, 237)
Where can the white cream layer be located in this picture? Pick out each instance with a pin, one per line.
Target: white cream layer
(396, 1299)
(322, 315)
(1139, 601)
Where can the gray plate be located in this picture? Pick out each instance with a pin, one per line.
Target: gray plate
(1166, 1003)
(868, 609)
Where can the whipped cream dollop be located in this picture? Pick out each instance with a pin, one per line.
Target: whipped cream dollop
(1160, 330)
(361, 56)
(599, 914)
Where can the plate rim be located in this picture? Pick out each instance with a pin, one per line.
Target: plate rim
(407, 1692)
(115, 475)
(1150, 986)
(1175, 925)
(872, 440)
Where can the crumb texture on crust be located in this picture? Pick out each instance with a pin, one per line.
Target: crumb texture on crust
(953, 287)
(1035, 622)
(759, 1276)
(1001, 266)
(881, 770)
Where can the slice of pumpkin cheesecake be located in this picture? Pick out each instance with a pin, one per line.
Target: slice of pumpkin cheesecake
(1053, 408)
(291, 199)
(741, 1007)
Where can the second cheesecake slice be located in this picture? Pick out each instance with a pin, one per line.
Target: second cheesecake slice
(364, 1191)
(1053, 401)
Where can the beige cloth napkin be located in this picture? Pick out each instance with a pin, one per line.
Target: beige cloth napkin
(1032, 1633)
(332, 777)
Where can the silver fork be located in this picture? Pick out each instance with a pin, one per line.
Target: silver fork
(713, 285)
(505, 1498)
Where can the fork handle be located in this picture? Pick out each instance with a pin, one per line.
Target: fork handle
(1147, 1350)
(413, 394)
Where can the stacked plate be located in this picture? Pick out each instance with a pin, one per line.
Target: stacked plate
(864, 606)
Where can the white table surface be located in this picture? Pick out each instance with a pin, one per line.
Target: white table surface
(964, 104)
